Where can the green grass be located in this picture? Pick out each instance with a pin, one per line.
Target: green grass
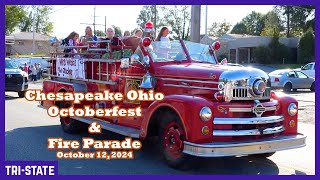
(287, 66)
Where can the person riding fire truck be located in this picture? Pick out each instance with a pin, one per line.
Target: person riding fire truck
(209, 109)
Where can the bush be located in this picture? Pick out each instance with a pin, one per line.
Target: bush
(262, 55)
(306, 47)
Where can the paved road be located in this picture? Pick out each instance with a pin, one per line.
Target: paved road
(28, 127)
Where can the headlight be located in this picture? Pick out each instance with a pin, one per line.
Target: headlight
(292, 109)
(205, 114)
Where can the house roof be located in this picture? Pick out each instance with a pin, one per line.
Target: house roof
(29, 36)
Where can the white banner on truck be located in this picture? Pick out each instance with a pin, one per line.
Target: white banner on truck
(72, 68)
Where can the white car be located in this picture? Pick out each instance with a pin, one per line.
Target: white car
(309, 69)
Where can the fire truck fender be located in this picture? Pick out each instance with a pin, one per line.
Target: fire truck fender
(185, 106)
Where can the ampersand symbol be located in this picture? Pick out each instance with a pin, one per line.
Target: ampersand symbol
(94, 128)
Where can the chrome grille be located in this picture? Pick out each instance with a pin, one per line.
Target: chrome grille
(242, 93)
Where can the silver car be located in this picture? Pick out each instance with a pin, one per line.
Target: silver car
(288, 79)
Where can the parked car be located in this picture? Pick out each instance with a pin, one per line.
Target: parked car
(288, 79)
(308, 69)
(16, 79)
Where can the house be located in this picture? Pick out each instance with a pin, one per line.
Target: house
(22, 43)
(239, 47)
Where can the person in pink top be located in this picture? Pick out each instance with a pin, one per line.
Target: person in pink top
(25, 68)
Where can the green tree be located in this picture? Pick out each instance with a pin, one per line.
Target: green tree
(273, 24)
(219, 28)
(148, 13)
(295, 18)
(262, 55)
(254, 23)
(117, 30)
(239, 28)
(278, 50)
(41, 19)
(178, 18)
(99, 33)
(14, 15)
(306, 47)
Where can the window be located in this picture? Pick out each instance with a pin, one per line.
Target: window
(301, 74)
(307, 67)
(292, 74)
(21, 43)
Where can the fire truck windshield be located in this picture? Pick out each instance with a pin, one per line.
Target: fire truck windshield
(173, 51)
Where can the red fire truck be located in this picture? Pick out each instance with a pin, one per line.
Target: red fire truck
(210, 109)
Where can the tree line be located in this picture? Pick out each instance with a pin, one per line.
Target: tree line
(21, 18)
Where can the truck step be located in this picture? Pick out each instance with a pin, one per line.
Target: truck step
(126, 131)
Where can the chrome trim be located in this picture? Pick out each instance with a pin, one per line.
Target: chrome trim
(220, 149)
(256, 120)
(271, 108)
(252, 132)
(191, 87)
(188, 80)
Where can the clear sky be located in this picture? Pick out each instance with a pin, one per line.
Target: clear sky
(68, 18)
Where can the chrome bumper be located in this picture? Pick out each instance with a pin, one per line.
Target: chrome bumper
(245, 147)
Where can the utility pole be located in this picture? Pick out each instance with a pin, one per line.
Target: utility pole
(195, 23)
(94, 21)
(155, 19)
(206, 25)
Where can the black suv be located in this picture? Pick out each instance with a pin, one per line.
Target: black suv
(16, 79)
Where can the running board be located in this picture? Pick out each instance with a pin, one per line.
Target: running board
(126, 131)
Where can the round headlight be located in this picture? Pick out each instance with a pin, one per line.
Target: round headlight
(205, 114)
(292, 109)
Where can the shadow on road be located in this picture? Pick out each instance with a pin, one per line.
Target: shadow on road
(30, 143)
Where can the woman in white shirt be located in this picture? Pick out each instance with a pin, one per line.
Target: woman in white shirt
(164, 44)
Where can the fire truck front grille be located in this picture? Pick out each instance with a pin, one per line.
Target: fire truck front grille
(246, 128)
(244, 94)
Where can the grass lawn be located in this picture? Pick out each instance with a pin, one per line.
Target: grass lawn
(287, 66)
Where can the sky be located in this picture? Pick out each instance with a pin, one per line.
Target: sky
(68, 18)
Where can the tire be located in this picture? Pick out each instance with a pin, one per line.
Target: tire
(263, 155)
(171, 137)
(287, 87)
(69, 125)
(21, 94)
(295, 90)
(312, 88)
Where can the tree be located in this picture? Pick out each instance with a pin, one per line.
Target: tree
(239, 28)
(278, 50)
(178, 18)
(99, 33)
(14, 15)
(254, 23)
(147, 13)
(219, 29)
(41, 19)
(262, 55)
(272, 24)
(295, 18)
(306, 47)
(117, 30)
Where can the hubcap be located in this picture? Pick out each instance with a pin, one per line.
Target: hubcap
(173, 140)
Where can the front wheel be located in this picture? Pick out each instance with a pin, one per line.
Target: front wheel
(172, 135)
(69, 125)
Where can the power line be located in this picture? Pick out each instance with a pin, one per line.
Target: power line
(60, 9)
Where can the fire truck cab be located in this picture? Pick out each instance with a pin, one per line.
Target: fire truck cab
(210, 109)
